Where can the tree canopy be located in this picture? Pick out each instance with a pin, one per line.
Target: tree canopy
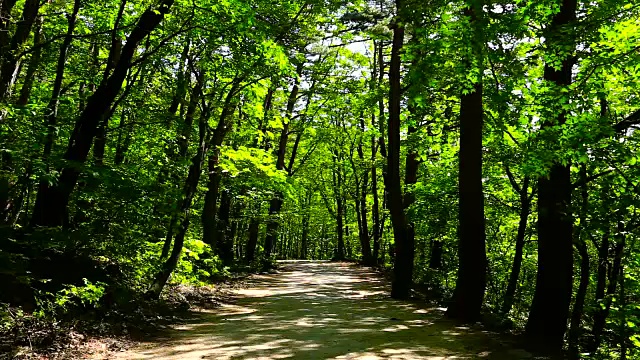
(482, 151)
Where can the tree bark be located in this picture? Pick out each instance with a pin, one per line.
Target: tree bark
(611, 272)
(435, 260)
(52, 107)
(34, 64)
(209, 223)
(361, 206)
(470, 285)
(575, 330)
(213, 186)
(403, 260)
(547, 321)
(514, 276)
(224, 243)
(10, 60)
(468, 296)
(189, 191)
(254, 230)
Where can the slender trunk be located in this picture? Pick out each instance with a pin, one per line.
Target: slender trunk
(184, 135)
(575, 330)
(52, 108)
(181, 89)
(376, 82)
(276, 202)
(209, 224)
(411, 178)
(435, 260)
(623, 336)
(224, 243)
(375, 210)
(305, 237)
(340, 252)
(547, 321)
(213, 186)
(114, 55)
(578, 306)
(514, 276)
(52, 202)
(10, 60)
(600, 318)
(34, 64)
(121, 144)
(189, 191)
(254, 231)
(6, 6)
(361, 206)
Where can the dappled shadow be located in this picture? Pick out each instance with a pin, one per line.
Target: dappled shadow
(322, 310)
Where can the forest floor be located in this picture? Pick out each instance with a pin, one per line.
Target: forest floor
(321, 310)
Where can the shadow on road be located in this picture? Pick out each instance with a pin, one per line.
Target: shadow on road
(323, 310)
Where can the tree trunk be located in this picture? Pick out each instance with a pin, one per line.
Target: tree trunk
(276, 202)
(52, 108)
(34, 64)
(6, 6)
(340, 252)
(514, 276)
(224, 243)
(377, 227)
(547, 321)
(305, 237)
(403, 259)
(213, 186)
(435, 260)
(575, 330)
(254, 231)
(468, 296)
(209, 223)
(578, 306)
(361, 206)
(121, 143)
(375, 210)
(52, 202)
(189, 191)
(305, 226)
(411, 178)
(10, 60)
(600, 318)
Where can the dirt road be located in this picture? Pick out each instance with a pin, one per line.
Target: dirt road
(322, 310)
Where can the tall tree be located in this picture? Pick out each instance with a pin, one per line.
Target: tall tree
(549, 313)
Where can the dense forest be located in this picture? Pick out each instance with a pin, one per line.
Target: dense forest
(484, 152)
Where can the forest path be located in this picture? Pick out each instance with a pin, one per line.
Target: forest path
(322, 310)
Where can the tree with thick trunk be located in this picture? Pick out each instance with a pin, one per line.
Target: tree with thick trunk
(403, 259)
(549, 313)
(52, 201)
(468, 295)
